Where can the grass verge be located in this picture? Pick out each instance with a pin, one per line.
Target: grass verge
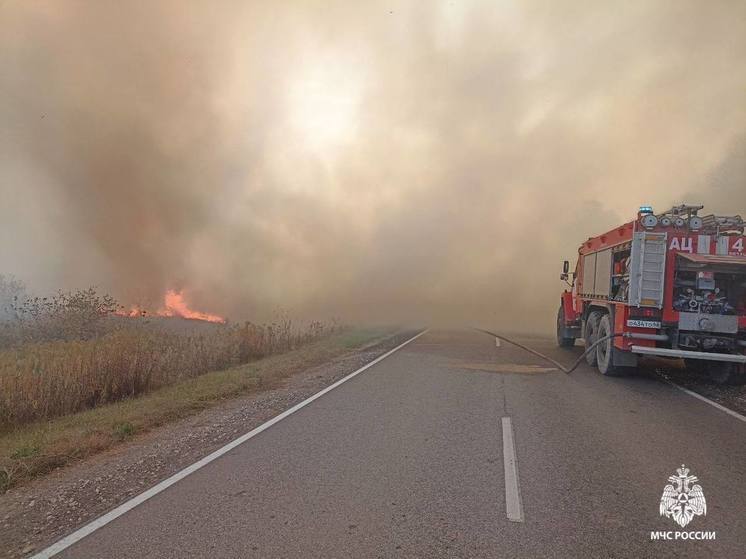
(37, 448)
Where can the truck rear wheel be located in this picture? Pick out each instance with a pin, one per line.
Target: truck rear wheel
(738, 375)
(605, 350)
(591, 335)
(562, 340)
(726, 373)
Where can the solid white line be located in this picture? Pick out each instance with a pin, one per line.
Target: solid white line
(153, 491)
(513, 505)
(708, 401)
(497, 342)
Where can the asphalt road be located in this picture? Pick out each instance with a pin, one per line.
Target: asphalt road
(408, 460)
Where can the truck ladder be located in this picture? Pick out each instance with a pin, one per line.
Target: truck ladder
(648, 269)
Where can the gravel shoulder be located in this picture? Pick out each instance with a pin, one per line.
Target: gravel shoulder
(732, 397)
(41, 512)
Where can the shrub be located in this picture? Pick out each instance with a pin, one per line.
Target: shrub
(11, 292)
(77, 315)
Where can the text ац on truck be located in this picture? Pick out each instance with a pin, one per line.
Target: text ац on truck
(671, 285)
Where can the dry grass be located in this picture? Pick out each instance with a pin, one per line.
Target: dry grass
(76, 376)
(36, 448)
(44, 380)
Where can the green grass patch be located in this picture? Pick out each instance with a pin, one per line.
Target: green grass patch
(357, 337)
(25, 452)
(34, 449)
(124, 430)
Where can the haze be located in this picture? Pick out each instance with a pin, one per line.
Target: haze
(423, 161)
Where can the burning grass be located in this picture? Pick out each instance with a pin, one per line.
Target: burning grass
(78, 350)
(174, 304)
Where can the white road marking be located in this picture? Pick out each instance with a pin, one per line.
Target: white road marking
(513, 504)
(708, 401)
(127, 506)
(497, 342)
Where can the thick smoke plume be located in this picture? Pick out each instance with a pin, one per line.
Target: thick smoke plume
(429, 161)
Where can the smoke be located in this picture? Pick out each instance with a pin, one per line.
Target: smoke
(424, 161)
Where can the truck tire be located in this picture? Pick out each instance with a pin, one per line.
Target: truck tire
(726, 373)
(605, 351)
(562, 340)
(738, 374)
(591, 335)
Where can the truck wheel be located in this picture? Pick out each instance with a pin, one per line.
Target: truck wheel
(605, 350)
(591, 335)
(738, 375)
(726, 373)
(563, 341)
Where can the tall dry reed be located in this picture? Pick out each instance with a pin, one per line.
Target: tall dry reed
(42, 380)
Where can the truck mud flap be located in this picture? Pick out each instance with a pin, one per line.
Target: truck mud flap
(623, 358)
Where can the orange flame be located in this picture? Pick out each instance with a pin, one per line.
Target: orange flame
(175, 305)
(131, 312)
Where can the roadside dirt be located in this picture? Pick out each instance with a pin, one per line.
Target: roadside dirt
(35, 515)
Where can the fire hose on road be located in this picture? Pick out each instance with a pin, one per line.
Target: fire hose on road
(557, 364)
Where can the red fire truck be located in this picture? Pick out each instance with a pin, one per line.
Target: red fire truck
(668, 285)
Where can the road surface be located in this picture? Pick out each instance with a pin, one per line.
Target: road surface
(414, 457)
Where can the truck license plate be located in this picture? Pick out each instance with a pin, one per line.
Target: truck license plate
(643, 324)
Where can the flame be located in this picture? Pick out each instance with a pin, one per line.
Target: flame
(132, 312)
(174, 304)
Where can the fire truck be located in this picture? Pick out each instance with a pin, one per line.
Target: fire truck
(669, 285)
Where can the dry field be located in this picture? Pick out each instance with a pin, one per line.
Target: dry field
(32, 449)
(43, 380)
(77, 350)
(77, 375)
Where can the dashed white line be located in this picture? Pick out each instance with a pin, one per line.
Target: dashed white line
(497, 342)
(513, 504)
(166, 483)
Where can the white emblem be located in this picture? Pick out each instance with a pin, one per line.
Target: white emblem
(681, 501)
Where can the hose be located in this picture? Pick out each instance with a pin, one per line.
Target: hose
(557, 364)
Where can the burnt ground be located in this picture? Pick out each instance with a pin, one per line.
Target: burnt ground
(38, 514)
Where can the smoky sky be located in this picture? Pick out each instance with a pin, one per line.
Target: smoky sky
(429, 161)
